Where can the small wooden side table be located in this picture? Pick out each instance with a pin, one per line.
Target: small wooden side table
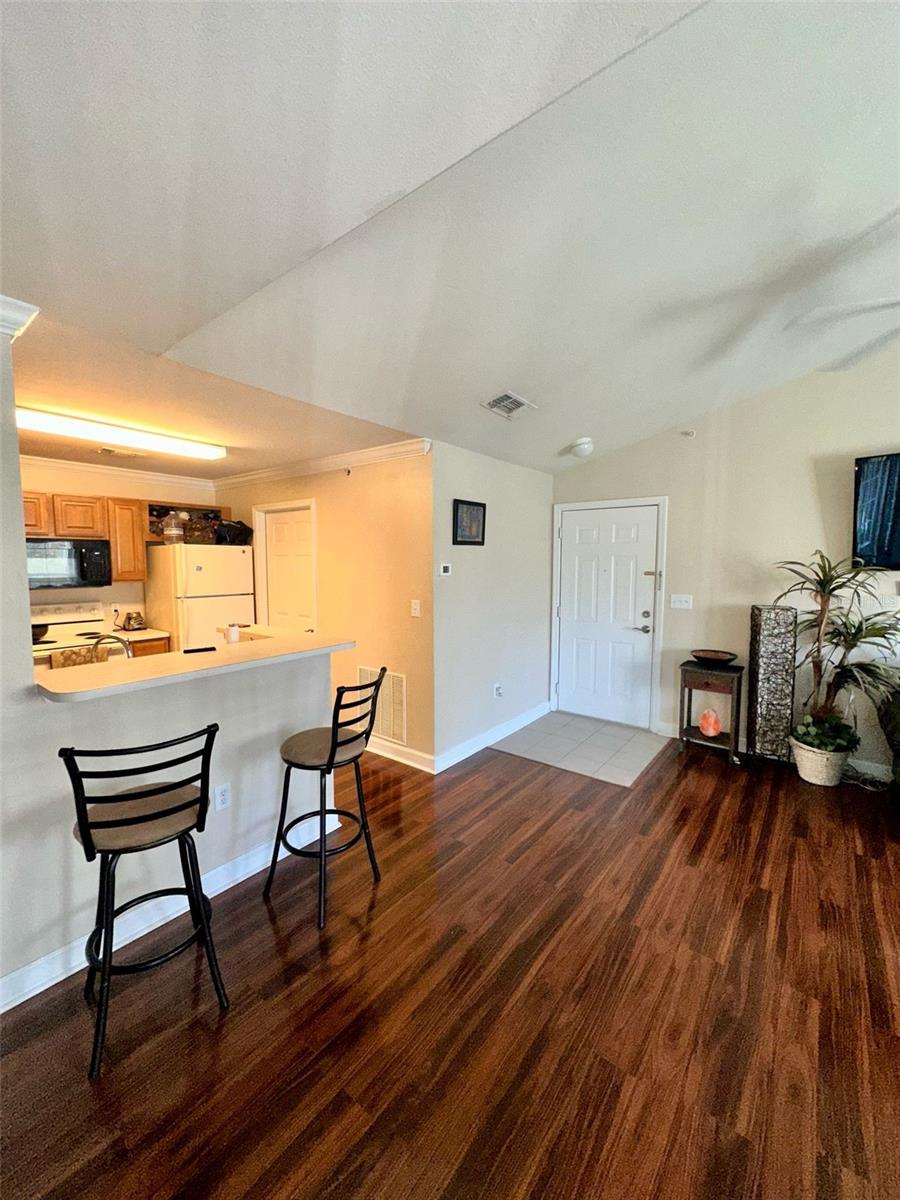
(725, 680)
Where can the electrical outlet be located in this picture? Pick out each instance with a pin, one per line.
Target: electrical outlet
(679, 600)
(222, 796)
(415, 608)
(498, 691)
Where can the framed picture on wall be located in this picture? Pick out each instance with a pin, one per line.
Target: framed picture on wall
(468, 522)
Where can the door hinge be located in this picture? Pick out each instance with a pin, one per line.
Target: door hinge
(556, 687)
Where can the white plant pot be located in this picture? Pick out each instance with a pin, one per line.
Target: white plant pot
(824, 767)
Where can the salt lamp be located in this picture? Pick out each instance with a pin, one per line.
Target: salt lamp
(710, 725)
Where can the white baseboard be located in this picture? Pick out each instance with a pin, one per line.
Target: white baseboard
(665, 729)
(876, 769)
(36, 976)
(466, 749)
(401, 754)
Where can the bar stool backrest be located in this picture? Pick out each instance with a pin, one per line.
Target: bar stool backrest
(354, 714)
(197, 773)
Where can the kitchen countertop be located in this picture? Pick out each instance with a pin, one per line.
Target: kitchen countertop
(121, 674)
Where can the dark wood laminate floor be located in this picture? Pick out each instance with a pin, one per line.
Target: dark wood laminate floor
(561, 989)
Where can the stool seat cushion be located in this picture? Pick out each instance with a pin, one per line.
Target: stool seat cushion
(311, 748)
(122, 838)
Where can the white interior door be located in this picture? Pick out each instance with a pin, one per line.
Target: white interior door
(606, 612)
(291, 568)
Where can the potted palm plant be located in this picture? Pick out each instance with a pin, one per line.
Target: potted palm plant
(845, 655)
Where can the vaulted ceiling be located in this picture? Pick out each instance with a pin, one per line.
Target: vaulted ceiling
(629, 214)
(164, 161)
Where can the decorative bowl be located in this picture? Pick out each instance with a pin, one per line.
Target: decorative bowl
(713, 656)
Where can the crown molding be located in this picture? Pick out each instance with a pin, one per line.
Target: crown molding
(412, 448)
(15, 316)
(129, 473)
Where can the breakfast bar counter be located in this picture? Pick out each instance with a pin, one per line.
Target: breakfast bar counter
(121, 674)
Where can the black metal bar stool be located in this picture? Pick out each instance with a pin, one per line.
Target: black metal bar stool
(139, 818)
(322, 750)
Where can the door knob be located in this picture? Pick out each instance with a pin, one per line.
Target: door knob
(641, 628)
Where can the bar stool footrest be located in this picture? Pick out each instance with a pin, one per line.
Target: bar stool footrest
(329, 850)
(92, 946)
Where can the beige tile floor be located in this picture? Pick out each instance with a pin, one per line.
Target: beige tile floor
(601, 749)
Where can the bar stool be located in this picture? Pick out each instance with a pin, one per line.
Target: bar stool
(128, 822)
(322, 750)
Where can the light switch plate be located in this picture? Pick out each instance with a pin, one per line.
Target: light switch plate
(445, 568)
(681, 600)
(415, 608)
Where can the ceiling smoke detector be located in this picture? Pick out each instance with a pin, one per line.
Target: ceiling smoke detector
(507, 405)
(583, 447)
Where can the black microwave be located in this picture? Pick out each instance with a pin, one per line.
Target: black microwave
(64, 562)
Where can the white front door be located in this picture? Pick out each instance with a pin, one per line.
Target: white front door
(607, 599)
(290, 568)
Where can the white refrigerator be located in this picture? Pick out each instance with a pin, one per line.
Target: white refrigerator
(191, 590)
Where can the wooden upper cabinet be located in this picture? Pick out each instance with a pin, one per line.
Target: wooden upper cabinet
(80, 516)
(37, 514)
(127, 521)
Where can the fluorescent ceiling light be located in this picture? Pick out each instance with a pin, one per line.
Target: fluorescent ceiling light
(113, 435)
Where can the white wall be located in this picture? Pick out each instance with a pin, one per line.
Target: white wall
(492, 614)
(48, 892)
(764, 480)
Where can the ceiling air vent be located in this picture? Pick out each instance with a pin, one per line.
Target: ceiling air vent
(507, 405)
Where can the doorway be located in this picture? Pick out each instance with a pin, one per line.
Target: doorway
(607, 616)
(286, 568)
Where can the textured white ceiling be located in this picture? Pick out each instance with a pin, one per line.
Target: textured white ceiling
(630, 256)
(162, 161)
(636, 253)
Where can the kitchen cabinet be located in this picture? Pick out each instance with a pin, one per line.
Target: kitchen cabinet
(125, 521)
(38, 521)
(80, 517)
(150, 646)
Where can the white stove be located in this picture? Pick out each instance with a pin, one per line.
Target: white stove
(69, 625)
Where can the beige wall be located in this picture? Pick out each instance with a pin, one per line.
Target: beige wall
(492, 614)
(374, 556)
(763, 480)
(83, 479)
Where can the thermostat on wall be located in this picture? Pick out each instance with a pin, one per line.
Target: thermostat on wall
(445, 568)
